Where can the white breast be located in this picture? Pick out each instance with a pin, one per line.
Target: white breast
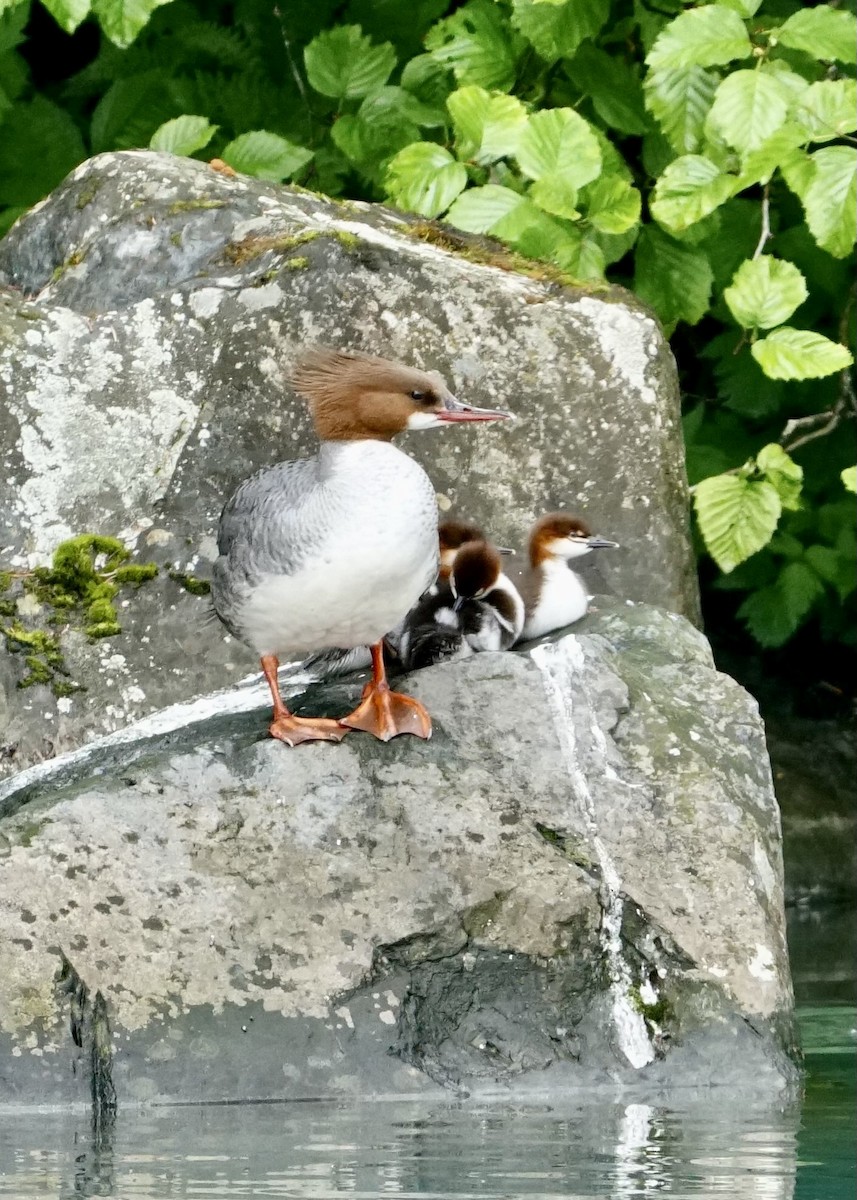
(562, 601)
(374, 552)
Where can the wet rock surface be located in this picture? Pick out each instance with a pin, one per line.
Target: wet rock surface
(576, 882)
(151, 311)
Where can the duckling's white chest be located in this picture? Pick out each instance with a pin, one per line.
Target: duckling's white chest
(562, 600)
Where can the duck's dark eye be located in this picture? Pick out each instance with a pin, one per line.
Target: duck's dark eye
(415, 395)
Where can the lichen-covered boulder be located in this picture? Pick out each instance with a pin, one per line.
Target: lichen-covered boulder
(151, 312)
(577, 881)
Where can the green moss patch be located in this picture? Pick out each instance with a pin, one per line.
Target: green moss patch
(490, 253)
(73, 260)
(183, 206)
(83, 581)
(657, 1013)
(250, 248)
(190, 583)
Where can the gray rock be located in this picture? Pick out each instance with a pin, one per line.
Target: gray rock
(576, 882)
(152, 310)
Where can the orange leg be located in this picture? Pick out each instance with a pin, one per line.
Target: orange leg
(384, 713)
(291, 729)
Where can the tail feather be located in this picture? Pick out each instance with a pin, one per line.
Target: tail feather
(327, 664)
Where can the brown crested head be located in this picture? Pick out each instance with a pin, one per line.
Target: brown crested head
(476, 569)
(552, 529)
(354, 396)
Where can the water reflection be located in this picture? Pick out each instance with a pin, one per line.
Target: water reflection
(716, 1147)
(397, 1151)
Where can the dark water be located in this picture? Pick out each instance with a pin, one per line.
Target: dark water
(714, 1147)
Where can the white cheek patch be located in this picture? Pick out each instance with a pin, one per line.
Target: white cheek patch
(575, 549)
(423, 420)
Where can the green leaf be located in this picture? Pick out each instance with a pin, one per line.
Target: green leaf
(748, 107)
(343, 64)
(752, 575)
(370, 144)
(581, 256)
(131, 110)
(673, 278)
(425, 178)
(765, 292)
(849, 479)
(741, 383)
(558, 142)
(774, 613)
(265, 155)
(122, 20)
(427, 79)
(395, 106)
(612, 204)
(779, 150)
(555, 195)
(556, 30)
(479, 46)
(827, 110)
(783, 545)
(68, 14)
(13, 21)
(783, 473)
(183, 135)
(612, 86)
(744, 8)
(799, 354)
(39, 145)
(834, 568)
(383, 124)
(534, 233)
(830, 199)
(739, 225)
(612, 162)
(479, 210)
(737, 516)
(690, 188)
(798, 170)
(487, 127)
(680, 99)
(791, 83)
(700, 37)
(822, 32)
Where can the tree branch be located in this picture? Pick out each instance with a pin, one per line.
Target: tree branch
(766, 221)
(825, 422)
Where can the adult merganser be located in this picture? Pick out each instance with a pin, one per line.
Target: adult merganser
(477, 609)
(333, 550)
(554, 595)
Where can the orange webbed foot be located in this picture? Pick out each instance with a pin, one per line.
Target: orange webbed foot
(386, 714)
(294, 730)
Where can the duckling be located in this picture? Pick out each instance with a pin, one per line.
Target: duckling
(451, 536)
(292, 577)
(478, 609)
(553, 594)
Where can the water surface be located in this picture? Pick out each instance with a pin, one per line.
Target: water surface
(712, 1145)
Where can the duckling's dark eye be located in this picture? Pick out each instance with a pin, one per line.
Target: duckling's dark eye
(415, 395)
